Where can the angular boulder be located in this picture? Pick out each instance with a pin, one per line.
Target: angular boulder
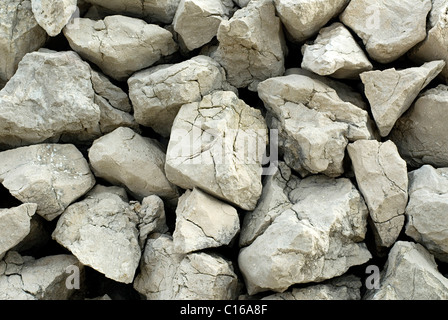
(53, 16)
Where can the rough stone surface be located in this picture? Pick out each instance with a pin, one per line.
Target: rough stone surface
(382, 178)
(120, 45)
(335, 53)
(115, 96)
(218, 145)
(388, 28)
(53, 16)
(391, 92)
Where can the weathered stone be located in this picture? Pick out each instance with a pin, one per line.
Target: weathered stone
(218, 145)
(251, 45)
(120, 45)
(114, 95)
(158, 93)
(335, 53)
(50, 175)
(314, 124)
(203, 222)
(421, 134)
(19, 34)
(125, 158)
(318, 238)
(382, 178)
(391, 92)
(53, 16)
(101, 231)
(410, 274)
(304, 18)
(388, 28)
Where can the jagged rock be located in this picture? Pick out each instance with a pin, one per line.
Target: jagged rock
(421, 134)
(166, 275)
(304, 18)
(391, 92)
(19, 34)
(125, 158)
(382, 178)
(251, 45)
(335, 53)
(426, 211)
(26, 278)
(53, 16)
(218, 145)
(388, 28)
(203, 222)
(101, 231)
(50, 175)
(410, 273)
(341, 288)
(158, 93)
(115, 96)
(120, 45)
(15, 224)
(318, 238)
(314, 124)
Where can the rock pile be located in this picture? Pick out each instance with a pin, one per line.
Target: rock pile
(223, 149)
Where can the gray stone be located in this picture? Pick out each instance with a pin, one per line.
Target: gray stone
(53, 16)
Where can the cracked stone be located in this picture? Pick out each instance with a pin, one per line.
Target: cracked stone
(53, 16)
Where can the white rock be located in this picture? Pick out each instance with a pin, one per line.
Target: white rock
(335, 53)
(101, 231)
(382, 178)
(50, 175)
(388, 28)
(251, 45)
(314, 124)
(158, 93)
(53, 16)
(318, 238)
(203, 222)
(218, 145)
(304, 18)
(119, 45)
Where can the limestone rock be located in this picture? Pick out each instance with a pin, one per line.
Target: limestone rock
(114, 95)
(304, 18)
(388, 28)
(335, 53)
(318, 238)
(50, 175)
(120, 45)
(203, 222)
(15, 225)
(101, 231)
(125, 158)
(410, 274)
(382, 178)
(218, 145)
(19, 34)
(314, 124)
(421, 134)
(158, 93)
(251, 45)
(53, 16)
(426, 211)
(391, 92)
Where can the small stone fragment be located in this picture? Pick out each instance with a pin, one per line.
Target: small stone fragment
(53, 16)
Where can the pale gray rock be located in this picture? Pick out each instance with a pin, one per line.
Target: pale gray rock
(426, 211)
(101, 231)
(19, 34)
(388, 28)
(112, 118)
(335, 53)
(314, 124)
(382, 178)
(318, 238)
(251, 45)
(218, 145)
(53, 16)
(51, 175)
(304, 18)
(120, 45)
(421, 134)
(114, 95)
(158, 93)
(410, 274)
(391, 92)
